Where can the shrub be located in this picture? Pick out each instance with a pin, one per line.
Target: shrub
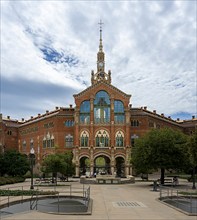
(11, 180)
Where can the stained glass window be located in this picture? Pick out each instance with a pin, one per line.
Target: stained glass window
(102, 107)
(85, 112)
(119, 115)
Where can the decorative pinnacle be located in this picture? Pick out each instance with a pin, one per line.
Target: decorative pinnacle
(100, 45)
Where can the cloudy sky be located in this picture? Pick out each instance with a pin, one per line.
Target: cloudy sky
(48, 49)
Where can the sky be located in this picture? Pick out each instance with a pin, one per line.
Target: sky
(48, 49)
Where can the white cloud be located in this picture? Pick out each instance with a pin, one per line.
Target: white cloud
(149, 46)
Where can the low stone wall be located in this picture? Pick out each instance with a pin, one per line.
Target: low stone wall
(107, 179)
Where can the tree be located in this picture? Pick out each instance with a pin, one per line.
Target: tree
(14, 163)
(58, 163)
(192, 149)
(160, 149)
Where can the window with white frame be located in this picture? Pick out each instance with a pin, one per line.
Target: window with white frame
(84, 139)
(119, 139)
(102, 138)
(68, 140)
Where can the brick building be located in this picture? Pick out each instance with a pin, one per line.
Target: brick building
(102, 126)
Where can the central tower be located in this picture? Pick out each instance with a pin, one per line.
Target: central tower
(101, 75)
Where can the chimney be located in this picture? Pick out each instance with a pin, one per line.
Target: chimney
(193, 116)
(178, 119)
(39, 114)
(8, 117)
(162, 114)
(145, 107)
(71, 106)
(47, 111)
(154, 111)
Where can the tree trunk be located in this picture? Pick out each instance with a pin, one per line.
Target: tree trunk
(162, 176)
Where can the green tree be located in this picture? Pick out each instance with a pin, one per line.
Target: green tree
(160, 149)
(58, 163)
(192, 149)
(13, 163)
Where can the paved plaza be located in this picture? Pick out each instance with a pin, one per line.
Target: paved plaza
(123, 201)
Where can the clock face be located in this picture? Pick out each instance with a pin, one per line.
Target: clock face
(101, 64)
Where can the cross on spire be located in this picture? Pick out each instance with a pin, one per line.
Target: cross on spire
(100, 23)
(100, 45)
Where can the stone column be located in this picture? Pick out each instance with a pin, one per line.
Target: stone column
(77, 170)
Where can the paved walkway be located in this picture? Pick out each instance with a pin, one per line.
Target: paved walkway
(109, 202)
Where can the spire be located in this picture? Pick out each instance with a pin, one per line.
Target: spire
(100, 44)
(100, 75)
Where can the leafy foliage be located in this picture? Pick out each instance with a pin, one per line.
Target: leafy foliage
(13, 163)
(58, 162)
(192, 148)
(163, 148)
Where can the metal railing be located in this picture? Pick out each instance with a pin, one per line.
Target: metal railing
(183, 199)
(68, 199)
(9, 198)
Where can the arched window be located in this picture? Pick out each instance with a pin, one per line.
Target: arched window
(102, 138)
(24, 145)
(119, 139)
(31, 143)
(119, 115)
(84, 139)
(85, 112)
(48, 141)
(44, 142)
(135, 123)
(102, 107)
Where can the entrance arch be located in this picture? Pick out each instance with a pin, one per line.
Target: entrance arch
(84, 166)
(120, 166)
(102, 165)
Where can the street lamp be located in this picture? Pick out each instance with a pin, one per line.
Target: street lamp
(31, 157)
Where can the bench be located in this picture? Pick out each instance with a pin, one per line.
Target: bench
(43, 180)
(108, 179)
(166, 180)
(144, 176)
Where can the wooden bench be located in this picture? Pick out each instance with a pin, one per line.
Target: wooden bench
(108, 179)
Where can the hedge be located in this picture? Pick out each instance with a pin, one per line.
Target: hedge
(11, 180)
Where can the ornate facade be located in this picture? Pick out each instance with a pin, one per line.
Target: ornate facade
(100, 129)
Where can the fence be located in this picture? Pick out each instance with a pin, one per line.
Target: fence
(77, 199)
(183, 199)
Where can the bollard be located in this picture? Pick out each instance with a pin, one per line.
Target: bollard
(155, 185)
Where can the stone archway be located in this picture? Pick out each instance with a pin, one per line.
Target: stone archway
(120, 166)
(102, 165)
(84, 167)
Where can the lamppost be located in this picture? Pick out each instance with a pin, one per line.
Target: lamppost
(31, 157)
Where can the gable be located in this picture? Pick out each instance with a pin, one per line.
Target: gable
(110, 89)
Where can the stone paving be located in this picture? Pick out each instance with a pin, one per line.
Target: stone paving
(115, 202)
